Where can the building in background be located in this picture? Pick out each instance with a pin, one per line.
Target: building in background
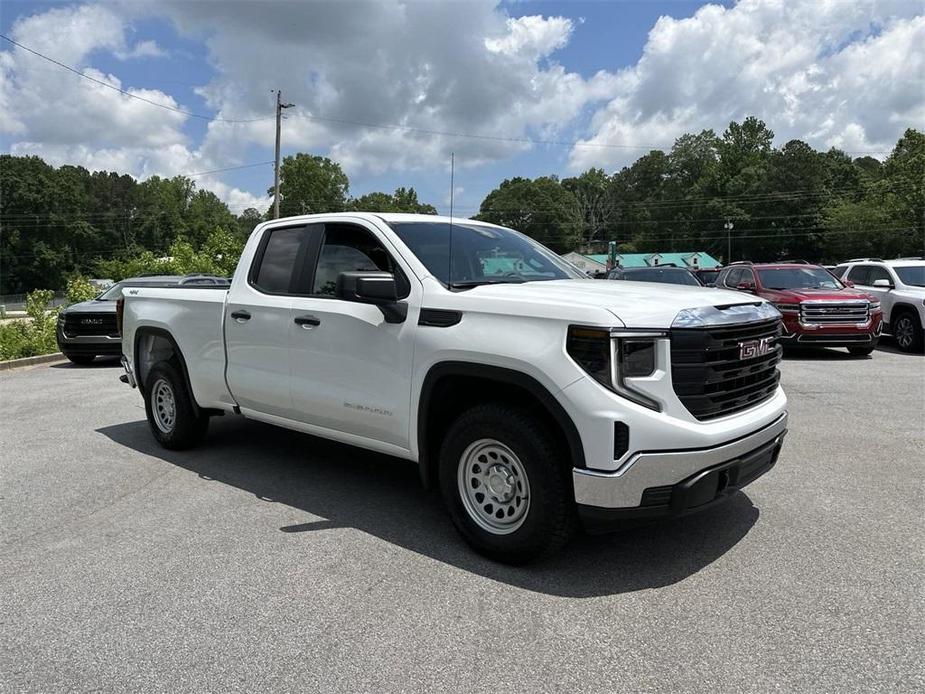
(598, 262)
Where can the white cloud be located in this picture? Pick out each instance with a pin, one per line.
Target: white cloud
(142, 49)
(535, 36)
(445, 67)
(833, 73)
(49, 112)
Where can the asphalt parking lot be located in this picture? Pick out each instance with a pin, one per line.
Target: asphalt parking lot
(269, 560)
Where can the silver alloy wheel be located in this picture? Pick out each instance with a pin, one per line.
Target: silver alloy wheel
(493, 486)
(164, 406)
(904, 332)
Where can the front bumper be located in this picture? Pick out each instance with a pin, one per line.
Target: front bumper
(101, 345)
(665, 483)
(865, 334)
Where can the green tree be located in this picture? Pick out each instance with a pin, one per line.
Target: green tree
(540, 208)
(247, 221)
(311, 184)
(593, 202)
(402, 200)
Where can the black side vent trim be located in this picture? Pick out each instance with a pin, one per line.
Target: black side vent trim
(439, 318)
(621, 440)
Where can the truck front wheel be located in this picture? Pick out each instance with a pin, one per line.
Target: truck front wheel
(506, 484)
(171, 413)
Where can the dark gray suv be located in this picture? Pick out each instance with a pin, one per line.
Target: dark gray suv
(88, 329)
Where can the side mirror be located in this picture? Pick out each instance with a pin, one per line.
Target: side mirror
(745, 287)
(848, 283)
(883, 284)
(377, 288)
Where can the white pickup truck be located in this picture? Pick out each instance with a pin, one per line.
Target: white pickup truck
(536, 400)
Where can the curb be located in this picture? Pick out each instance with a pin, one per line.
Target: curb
(29, 361)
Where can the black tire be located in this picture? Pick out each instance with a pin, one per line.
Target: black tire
(184, 428)
(80, 359)
(861, 351)
(550, 518)
(907, 331)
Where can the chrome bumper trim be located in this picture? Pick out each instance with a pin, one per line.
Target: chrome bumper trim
(624, 488)
(129, 372)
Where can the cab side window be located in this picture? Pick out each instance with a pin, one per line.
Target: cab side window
(859, 274)
(276, 259)
(878, 273)
(349, 248)
(747, 276)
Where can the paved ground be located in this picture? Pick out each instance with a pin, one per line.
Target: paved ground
(268, 560)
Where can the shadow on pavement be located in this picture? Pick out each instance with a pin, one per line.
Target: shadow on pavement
(820, 354)
(382, 496)
(98, 363)
(887, 344)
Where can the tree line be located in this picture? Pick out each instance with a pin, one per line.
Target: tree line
(786, 202)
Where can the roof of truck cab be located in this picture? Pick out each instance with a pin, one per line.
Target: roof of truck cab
(388, 217)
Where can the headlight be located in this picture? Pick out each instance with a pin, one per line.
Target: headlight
(590, 348)
(874, 305)
(787, 308)
(611, 359)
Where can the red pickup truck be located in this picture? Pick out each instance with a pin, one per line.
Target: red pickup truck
(818, 309)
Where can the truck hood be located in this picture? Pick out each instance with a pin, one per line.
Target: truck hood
(636, 304)
(92, 306)
(816, 295)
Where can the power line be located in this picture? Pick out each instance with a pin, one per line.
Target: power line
(129, 94)
(227, 168)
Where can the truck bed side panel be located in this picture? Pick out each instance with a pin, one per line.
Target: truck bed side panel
(193, 317)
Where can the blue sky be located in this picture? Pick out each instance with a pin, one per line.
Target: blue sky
(618, 76)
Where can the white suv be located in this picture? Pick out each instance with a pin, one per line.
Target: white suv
(900, 286)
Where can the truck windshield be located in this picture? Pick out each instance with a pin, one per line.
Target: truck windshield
(798, 278)
(912, 274)
(112, 294)
(481, 254)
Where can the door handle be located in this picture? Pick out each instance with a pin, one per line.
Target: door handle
(241, 316)
(307, 322)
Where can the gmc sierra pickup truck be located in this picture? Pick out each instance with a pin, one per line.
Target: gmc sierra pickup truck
(535, 400)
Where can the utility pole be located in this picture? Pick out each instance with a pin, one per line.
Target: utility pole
(728, 227)
(279, 117)
(452, 181)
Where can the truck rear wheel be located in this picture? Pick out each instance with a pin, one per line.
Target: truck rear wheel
(506, 486)
(171, 413)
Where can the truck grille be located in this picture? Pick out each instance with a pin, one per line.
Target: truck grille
(834, 313)
(719, 371)
(81, 324)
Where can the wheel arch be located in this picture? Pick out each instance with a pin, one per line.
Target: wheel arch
(905, 307)
(449, 388)
(153, 345)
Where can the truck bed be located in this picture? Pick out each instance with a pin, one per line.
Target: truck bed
(194, 317)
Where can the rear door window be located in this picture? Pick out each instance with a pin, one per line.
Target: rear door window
(732, 279)
(278, 256)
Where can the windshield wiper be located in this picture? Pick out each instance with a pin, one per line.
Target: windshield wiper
(469, 284)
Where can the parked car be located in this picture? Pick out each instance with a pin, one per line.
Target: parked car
(900, 287)
(531, 400)
(818, 309)
(707, 276)
(663, 275)
(88, 329)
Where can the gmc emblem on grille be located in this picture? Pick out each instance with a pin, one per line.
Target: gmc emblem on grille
(91, 321)
(755, 348)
